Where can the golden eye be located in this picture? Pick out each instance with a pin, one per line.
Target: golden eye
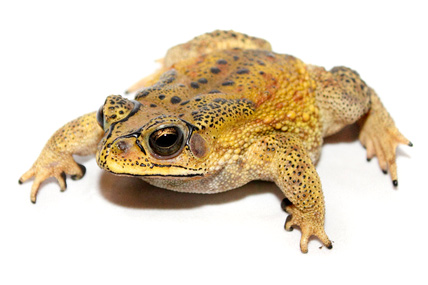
(166, 141)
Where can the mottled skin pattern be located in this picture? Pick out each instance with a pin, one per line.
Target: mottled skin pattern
(224, 110)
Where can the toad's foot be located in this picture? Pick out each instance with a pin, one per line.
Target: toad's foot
(381, 137)
(309, 223)
(78, 137)
(51, 164)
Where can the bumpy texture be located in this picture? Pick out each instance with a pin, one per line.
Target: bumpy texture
(224, 110)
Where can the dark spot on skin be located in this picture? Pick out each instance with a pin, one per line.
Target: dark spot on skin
(169, 79)
(184, 103)
(214, 91)
(220, 100)
(243, 71)
(228, 83)
(194, 85)
(153, 105)
(215, 70)
(175, 100)
(143, 94)
(221, 61)
(203, 80)
(161, 97)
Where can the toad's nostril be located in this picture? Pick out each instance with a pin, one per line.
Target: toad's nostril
(122, 146)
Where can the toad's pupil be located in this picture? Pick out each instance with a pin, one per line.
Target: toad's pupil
(166, 140)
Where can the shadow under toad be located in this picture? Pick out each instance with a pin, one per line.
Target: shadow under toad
(135, 193)
(347, 134)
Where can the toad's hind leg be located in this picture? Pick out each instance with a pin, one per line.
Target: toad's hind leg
(344, 98)
(214, 41)
(381, 137)
(203, 44)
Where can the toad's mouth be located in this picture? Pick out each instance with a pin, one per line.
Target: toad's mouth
(161, 176)
(169, 172)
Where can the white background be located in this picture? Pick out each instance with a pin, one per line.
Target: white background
(59, 61)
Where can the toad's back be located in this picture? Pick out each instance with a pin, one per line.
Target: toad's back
(279, 86)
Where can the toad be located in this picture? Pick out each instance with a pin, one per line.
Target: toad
(224, 110)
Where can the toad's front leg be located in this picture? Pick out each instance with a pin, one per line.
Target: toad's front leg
(79, 137)
(283, 159)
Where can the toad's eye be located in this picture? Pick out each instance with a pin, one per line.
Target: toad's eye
(100, 117)
(167, 142)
